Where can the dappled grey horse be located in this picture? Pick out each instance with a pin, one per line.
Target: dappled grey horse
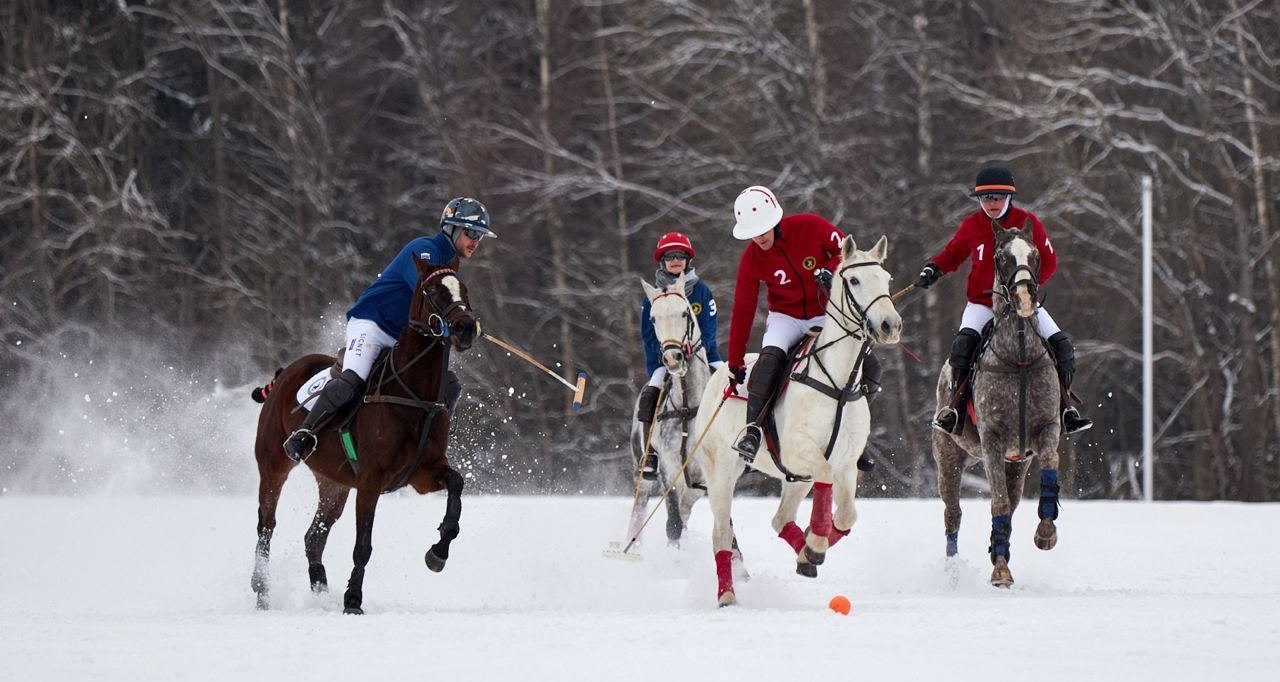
(1014, 414)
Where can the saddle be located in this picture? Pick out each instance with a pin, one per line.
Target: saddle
(966, 406)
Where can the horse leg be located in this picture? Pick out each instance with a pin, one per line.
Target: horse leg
(675, 522)
(366, 506)
(720, 485)
(950, 459)
(846, 513)
(333, 498)
(270, 482)
(1046, 532)
(816, 542)
(449, 528)
(784, 520)
(1001, 517)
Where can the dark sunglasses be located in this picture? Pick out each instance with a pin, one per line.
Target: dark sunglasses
(473, 233)
(674, 255)
(991, 196)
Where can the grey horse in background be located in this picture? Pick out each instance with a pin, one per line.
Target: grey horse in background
(1015, 401)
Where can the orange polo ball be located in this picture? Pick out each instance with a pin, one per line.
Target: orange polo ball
(839, 604)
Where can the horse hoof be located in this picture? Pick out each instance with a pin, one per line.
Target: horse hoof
(727, 599)
(1046, 535)
(807, 570)
(353, 611)
(815, 558)
(1001, 577)
(263, 602)
(435, 563)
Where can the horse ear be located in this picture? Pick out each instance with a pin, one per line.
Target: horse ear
(424, 268)
(847, 247)
(881, 249)
(649, 290)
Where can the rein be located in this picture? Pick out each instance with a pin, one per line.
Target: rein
(856, 315)
(436, 328)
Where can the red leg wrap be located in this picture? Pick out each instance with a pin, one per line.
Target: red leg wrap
(820, 518)
(792, 535)
(835, 535)
(724, 572)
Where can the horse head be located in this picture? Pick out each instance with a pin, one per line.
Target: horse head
(1017, 263)
(440, 308)
(860, 291)
(674, 324)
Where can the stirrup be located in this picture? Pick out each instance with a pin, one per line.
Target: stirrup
(296, 447)
(749, 444)
(946, 420)
(1072, 422)
(649, 467)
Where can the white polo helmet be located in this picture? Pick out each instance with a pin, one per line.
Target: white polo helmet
(757, 211)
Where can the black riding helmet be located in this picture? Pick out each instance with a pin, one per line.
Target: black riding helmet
(467, 213)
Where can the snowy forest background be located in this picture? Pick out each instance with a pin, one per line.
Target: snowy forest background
(193, 192)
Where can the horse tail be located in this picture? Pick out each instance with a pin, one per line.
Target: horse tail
(259, 394)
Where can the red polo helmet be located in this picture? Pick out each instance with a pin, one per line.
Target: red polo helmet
(673, 241)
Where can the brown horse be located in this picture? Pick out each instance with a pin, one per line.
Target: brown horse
(399, 436)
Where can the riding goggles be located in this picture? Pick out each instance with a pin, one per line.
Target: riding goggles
(991, 196)
(473, 233)
(674, 255)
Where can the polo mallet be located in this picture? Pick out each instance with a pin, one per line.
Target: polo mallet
(579, 390)
(902, 294)
(637, 511)
(614, 553)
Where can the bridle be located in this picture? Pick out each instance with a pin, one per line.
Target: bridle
(436, 326)
(1008, 284)
(686, 344)
(854, 313)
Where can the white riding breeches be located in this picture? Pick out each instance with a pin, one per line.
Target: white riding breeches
(784, 331)
(659, 375)
(976, 316)
(365, 339)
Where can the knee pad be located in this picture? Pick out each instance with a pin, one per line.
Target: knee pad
(345, 387)
(765, 373)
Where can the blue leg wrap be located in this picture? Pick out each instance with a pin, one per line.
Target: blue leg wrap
(1001, 527)
(953, 540)
(1048, 508)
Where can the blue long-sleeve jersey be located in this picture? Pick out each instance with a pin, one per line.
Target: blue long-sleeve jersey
(387, 300)
(704, 307)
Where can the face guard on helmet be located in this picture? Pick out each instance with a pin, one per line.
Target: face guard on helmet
(757, 211)
(468, 214)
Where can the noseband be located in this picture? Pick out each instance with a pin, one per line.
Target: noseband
(1008, 284)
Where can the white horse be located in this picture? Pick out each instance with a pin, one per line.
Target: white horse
(823, 422)
(676, 325)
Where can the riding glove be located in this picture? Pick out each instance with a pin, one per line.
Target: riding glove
(737, 375)
(824, 277)
(928, 276)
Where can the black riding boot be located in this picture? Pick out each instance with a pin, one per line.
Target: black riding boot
(333, 397)
(1064, 355)
(963, 348)
(759, 390)
(645, 413)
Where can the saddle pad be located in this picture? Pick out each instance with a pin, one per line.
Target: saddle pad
(308, 392)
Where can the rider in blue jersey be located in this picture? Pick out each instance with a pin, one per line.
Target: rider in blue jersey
(674, 255)
(382, 311)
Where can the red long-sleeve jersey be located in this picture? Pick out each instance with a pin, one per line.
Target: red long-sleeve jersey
(975, 238)
(805, 243)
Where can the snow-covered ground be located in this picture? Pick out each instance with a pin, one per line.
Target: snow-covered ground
(157, 588)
